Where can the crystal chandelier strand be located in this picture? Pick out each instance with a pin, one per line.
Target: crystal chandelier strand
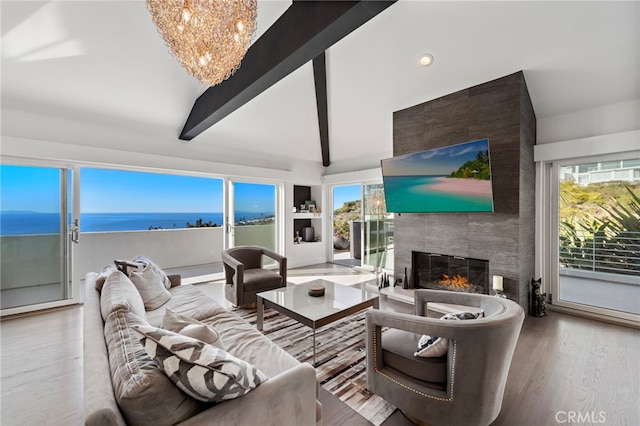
(208, 38)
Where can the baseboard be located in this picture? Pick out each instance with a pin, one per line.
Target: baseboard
(594, 316)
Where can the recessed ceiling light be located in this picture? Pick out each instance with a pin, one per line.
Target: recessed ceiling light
(425, 60)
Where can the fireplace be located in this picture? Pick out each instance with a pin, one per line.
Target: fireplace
(441, 272)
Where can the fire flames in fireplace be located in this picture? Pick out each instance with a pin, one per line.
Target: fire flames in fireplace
(456, 282)
(453, 273)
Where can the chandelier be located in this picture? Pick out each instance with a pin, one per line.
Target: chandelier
(208, 37)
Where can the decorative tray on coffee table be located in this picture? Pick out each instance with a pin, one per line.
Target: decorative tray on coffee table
(316, 290)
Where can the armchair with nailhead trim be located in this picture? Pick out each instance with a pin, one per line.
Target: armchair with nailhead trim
(463, 387)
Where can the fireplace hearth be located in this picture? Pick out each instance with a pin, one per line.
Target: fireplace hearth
(442, 272)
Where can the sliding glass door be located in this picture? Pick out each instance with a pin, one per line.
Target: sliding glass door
(362, 229)
(251, 217)
(597, 235)
(39, 229)
(378, 229)
(347, 225)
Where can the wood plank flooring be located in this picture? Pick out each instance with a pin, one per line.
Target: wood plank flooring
(562, 364)
(41, 369)
(567, 364)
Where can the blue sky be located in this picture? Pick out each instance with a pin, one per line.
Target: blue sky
(29, 188)
(341, 194)
(440, 161)
(254, 197)
(116, 191)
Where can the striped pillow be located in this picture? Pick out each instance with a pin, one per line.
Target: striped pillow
(203, 371)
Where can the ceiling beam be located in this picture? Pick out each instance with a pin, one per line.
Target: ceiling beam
(320, 79)
(304, 31)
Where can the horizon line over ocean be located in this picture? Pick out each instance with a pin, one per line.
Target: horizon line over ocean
(26, 223)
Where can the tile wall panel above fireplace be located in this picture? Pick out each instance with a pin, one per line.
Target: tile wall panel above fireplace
(501, 111)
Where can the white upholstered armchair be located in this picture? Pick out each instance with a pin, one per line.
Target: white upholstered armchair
(463, 387)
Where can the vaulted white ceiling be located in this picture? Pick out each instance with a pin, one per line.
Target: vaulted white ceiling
(96, 73)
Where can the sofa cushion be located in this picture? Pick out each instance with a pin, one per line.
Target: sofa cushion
(205, 372)
(241, 339)
(244, 341)
(397, 353)
(118, 292)
(143, 392)
(187, 300)
(191, 327)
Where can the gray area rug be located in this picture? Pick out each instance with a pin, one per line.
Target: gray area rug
(340, 354)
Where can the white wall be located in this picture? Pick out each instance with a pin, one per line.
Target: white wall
(603, 120)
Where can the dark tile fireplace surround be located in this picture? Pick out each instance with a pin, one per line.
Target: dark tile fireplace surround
(501, 111)
(442, 272)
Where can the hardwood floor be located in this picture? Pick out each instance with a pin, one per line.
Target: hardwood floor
(41, 369)
(568, 364)
(562, 364)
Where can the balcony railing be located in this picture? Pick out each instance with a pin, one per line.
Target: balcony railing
(34, 260)
(595, 251)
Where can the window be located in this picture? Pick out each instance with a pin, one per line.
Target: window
(117, 200)
(35, 237)
(595, 236)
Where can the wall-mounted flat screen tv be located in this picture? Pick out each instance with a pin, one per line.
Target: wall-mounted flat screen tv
(450, 179)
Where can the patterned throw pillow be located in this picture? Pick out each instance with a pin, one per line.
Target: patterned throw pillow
(433, 346)
(203, 371)
(191, 327)
(144, 393)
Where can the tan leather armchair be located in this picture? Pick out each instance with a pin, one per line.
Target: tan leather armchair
(245, 275)
(464, 386)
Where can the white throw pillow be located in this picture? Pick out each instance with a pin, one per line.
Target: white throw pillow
(433, 346)
(191, 327)
(150, 284)
(146, 261)
(202, 371)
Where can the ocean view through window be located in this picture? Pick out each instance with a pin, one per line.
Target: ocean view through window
(30, 200)
(117, 200)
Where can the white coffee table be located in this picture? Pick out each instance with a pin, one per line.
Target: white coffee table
(339, 301)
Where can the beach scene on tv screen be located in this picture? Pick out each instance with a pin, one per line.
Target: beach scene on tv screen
(455, 178)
